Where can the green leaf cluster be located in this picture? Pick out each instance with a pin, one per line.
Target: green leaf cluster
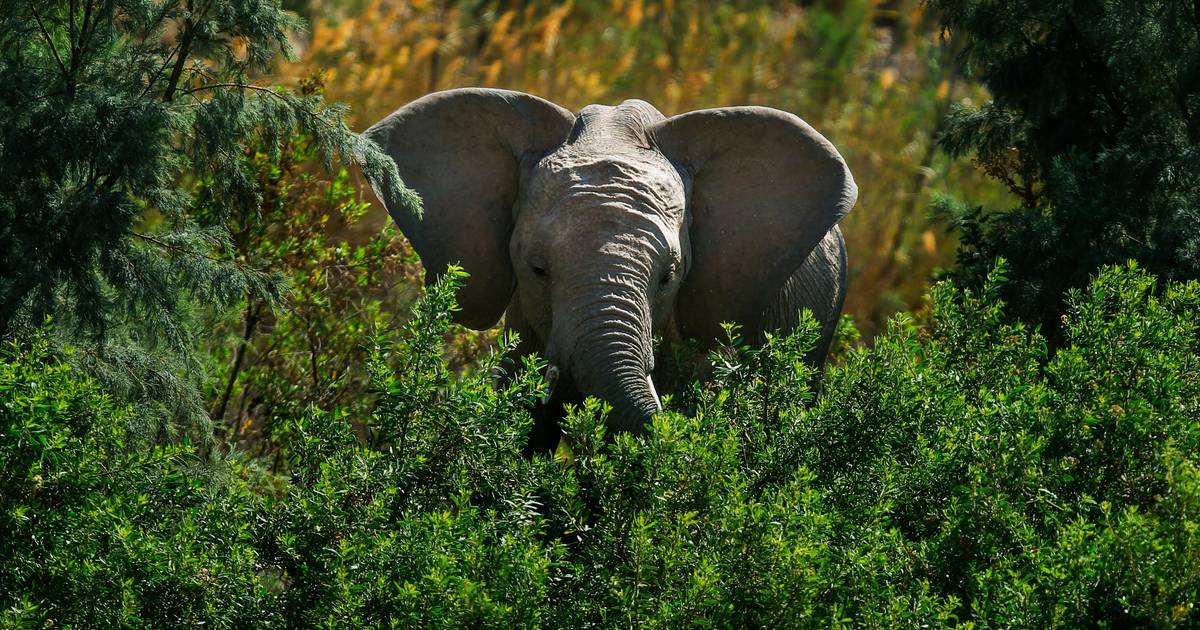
(347, 278)
(97, 530)
(954, 474)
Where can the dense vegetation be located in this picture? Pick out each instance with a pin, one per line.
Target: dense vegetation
(225, 399)
(950, 474)
(127, 128)
(1094, 126)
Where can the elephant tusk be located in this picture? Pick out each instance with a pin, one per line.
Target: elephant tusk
(654, 392)
(551, 381)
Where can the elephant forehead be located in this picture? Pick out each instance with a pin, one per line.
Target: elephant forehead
(640, 181)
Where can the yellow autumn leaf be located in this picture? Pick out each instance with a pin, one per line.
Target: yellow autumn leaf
(552, 25)
(341, 34)
(454, 67)
(500, 28)
(320, 38)
(492, 73)
(929, 242)
(424, 49)
(943, 90)
(625, 61)
(635, 13)
(887, 78)
(372, 78)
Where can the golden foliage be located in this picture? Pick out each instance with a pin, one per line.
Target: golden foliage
(873, 76)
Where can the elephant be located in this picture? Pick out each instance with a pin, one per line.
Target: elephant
(593, 232)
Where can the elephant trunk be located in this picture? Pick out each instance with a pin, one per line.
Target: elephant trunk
(631, 393)
(613, 357)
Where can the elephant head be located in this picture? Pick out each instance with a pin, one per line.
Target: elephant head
(598, 230)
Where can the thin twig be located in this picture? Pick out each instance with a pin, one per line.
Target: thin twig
(166, 62)
(252, 315)
(247, 86)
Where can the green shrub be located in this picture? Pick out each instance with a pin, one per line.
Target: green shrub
(99, 532)
(1036, 491)
(952, 474)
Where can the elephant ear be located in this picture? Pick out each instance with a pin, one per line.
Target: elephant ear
(461, 151)
(766, 187)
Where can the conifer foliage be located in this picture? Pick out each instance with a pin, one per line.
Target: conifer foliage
(120, 118)
(1094, 125)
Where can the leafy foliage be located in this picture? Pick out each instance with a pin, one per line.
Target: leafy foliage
(1093, 125)
(99, 531)
(955, 473)
(271, 365)
(952, 473)
(119, 119)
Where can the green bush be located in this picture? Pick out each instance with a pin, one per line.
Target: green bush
(99, 532)
(952, 474)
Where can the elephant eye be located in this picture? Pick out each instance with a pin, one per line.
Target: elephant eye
(667, 276)
(538, 267)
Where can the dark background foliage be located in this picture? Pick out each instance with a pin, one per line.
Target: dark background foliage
(1094, 126)
(125, 124)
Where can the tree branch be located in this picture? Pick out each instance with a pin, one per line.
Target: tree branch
(185, 44)
(157, 74)
(241, 413)
(49, 41)
(252, 317)
(175, 248)
(78, 50)
(258, 88)
(79, 46)
(71, 21)
(247, 86)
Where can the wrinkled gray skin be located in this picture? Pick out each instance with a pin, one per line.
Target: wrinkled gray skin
(594, 232)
